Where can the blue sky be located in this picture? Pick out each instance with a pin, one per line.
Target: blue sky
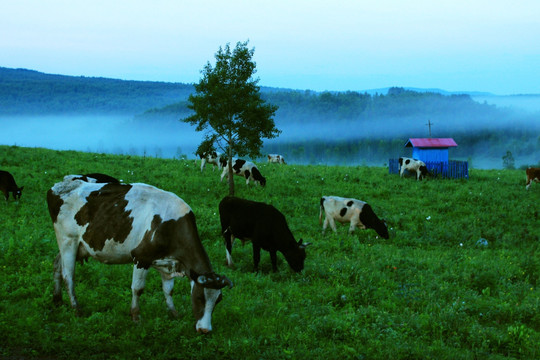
(457, 45)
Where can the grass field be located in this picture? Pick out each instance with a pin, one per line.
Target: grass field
(429, 292)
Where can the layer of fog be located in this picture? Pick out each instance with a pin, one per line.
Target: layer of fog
(174, 139)
(101, 134)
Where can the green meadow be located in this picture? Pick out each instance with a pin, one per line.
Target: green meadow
(458, 278)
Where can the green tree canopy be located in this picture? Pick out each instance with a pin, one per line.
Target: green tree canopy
(227, 105)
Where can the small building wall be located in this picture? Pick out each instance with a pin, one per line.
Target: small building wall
(430, 154)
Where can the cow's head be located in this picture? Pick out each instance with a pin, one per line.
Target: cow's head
(17, 193)
(205, 295)
(382, 229)
(296, 260)
(424, 171)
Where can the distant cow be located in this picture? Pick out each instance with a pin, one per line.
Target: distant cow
(358, 213)
(417, 166)
(94, 178)
(246, 169)
(533, 174)
(211, 158)
(8, 185)
(264, 226)
(275, 158)
(132, 223)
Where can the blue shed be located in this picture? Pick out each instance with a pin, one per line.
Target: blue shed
(431, 149)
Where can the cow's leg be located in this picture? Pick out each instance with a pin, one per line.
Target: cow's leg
(256, 256)
(229, 241)
(247, 174)
(167, 285)
(203, 161)
(325, 224)
(57, 294)
(418, 175)
(332, 223)
(67, 261)
(273, 259)
(352, 227)
(223, 173)
(137, 286)
(401, 171)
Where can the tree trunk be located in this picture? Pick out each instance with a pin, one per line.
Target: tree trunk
(231, 180)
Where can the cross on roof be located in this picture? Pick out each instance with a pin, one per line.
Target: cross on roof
(429, 123)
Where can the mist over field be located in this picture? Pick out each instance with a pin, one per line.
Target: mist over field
(332, 128)
(102, 134)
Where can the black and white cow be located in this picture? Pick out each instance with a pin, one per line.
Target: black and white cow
(8, 185)
(357, 213)
(132, 223)
(211, 158)
(94, 178)
(246, 169)
(264, 226)
(417, 166)
(276, 158)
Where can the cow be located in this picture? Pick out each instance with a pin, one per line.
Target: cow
(533, 174)
(132, 223)
(246, 169)
(276, 158)
(264, 226)
(357, 212)
(417, 166)
(8, 185)
(211, 157)
(94, 178)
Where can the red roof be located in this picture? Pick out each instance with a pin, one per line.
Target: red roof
(431, 142)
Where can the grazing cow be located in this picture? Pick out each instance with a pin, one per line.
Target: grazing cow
(94, 178)
(358, 213)
(8, 185)
(246, 169)
(132, 223)
(275, 158)
(265, 226)
(418, 166)
(533, 174)
(211, 157)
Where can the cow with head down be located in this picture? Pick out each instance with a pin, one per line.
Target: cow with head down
(137, 224)
(8, 185)
(243, 168)
(347, 210)
(416, 166)
(263, 225)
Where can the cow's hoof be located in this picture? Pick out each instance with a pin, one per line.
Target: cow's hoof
(173, 314)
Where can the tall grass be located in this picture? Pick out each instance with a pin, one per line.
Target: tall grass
(430, 291)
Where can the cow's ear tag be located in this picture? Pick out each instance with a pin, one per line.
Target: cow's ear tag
(302, 244)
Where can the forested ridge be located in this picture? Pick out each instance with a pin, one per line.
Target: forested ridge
(28, 92)
(318, 127)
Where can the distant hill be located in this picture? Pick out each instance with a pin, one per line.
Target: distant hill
(26, 92)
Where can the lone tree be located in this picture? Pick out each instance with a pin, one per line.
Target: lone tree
(228, 106)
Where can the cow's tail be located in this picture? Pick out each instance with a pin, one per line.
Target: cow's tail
(321, 210)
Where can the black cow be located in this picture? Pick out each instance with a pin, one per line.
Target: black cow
(8, 185)
(265, 226)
